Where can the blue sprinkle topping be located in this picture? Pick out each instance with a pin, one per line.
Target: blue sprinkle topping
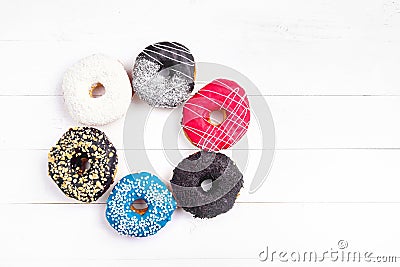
(148, 187)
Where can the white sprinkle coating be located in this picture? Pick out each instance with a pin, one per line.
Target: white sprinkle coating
(78, 82)
(132, 187)
(157, 88)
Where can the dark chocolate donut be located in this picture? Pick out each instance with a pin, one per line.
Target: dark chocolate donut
(163, 74)
(227, 180)
(83, 163)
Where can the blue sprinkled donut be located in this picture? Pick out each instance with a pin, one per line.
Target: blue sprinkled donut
(126, 219)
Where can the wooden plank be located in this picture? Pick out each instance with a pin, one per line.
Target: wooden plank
(300, 123)
(286, 48)
(283, 68)
(80, 232)
(332, 19)
(297, 176)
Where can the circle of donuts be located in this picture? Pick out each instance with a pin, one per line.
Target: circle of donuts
(83, 163)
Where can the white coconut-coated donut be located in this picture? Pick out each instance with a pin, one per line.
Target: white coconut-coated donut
(90, 72)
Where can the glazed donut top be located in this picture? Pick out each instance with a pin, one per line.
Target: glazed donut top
(163, 74)
(145, 186)
(223, 95)
(66, 159)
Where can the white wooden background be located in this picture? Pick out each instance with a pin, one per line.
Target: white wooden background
(329, 70)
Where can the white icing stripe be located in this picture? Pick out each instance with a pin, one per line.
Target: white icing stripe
(212, 100)
(198, 115)
(227, 87)
(188, 103)
(242, 99)
(192, 65)
(191, 78)
(152, 58)
(177, 49)
(233, 112)
(169, 51)
(238, 121)
(180, 46)
(196, 132)
(205, 142)
(237, 106)
(203, 138)
(213, 146)
(230, 111)
(234, 126)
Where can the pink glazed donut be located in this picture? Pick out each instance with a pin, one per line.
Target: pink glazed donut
(220, 94)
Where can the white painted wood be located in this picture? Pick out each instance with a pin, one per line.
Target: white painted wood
(328, 70)
(277, 67)
(300, 122)
(297, 176)
(284, 20)
(80, 233)
(322, 48)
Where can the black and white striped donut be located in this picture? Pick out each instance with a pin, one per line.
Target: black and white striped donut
(163, 74)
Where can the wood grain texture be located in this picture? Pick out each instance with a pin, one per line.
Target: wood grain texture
(327, 69)
(300, 122)
(81, 233)
(277, 67)
(297, 176)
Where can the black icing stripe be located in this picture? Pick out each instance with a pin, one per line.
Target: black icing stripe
(153, 58)
(173, 54)
(167, 53)
(180, 46)
(171, 57)
(163, 74)
(161, 46)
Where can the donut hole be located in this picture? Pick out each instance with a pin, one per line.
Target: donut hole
(206, 185)
(80, 162)
(217, 117)
(97, 90)
(139, 206)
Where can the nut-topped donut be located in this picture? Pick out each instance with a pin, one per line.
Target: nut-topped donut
(220, 94)
(83, 163)
(163, 74)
